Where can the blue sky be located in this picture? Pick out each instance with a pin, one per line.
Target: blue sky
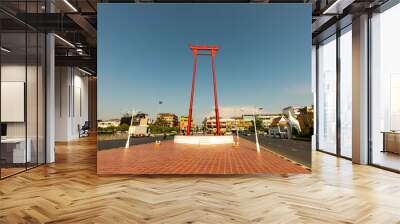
(143, 57)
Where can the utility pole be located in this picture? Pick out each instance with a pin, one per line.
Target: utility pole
(129, 130)
(255, 130)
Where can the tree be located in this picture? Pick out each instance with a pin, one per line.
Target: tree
(295, 132)
(259, 123)
(126, 119)
(123, 127)
(161, 122)
(161, 126)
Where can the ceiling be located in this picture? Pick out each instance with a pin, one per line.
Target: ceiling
(75, 21)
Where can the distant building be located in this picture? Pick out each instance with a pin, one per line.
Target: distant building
(291, 113)
(306, 121)
(141, 119)
(279, 127)
(241, 124)
(108, 123)
(293, 110)
(247, 117)
(183, 120)
(266, 119)
(140, 124)
(171, 119)
(183, 123)
(226, 125)
(300, 120)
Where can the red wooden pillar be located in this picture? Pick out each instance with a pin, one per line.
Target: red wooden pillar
(192, 93)
(213, 52)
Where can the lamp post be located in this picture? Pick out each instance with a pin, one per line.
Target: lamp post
(129, 129)
(237, 128)
(255, 129)
(237, 132)
(160, 102)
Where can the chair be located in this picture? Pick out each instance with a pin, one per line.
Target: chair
(84, 130)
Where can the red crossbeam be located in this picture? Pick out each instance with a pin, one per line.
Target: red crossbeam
(203, 47)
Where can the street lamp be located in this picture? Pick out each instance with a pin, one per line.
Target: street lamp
(160, 102)
(237, 128)
(237, 132)
(129, 129)
(255, 129)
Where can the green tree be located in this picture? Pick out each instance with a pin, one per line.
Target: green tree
(160, 126)
(123, 127)
(295, 132)
(260, 126)
(110, 129)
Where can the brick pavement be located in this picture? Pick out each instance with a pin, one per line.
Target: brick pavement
(170, 158)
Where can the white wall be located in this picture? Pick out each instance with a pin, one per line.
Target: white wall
(62, 82)
(80, 105)
(314, 91)
(71, 103)
(33, 126)
(9, 73)
(17, 73)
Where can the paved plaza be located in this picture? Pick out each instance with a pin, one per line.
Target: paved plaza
(170, 158)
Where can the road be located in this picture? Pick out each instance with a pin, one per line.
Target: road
(109, 144)
(296, 150)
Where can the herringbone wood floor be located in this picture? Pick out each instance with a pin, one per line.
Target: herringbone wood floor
(69, 191)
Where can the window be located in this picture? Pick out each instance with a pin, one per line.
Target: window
(346, 92)
(327, 95)
(385, 89)
(22, 88)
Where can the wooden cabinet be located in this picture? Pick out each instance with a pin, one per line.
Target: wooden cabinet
(391, 142)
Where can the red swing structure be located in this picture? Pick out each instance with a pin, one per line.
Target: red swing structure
(200, 50)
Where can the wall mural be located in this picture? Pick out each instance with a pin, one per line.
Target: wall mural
(204, 89)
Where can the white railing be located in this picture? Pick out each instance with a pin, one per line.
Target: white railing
(203, 140)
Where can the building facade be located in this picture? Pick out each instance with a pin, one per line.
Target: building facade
(171, 119)
(109, 123)
(227, 125)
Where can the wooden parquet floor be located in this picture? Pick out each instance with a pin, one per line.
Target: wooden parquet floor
(69, 191)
